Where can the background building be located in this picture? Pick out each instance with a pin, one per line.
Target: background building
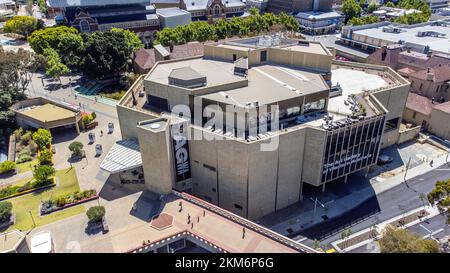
(213, 10)
(324, 134)
(288, 6)
(173, 17)
(424, 37)
(429, 114)
(100, 15)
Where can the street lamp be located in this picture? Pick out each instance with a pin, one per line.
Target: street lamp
(32, 219)
(315, 206)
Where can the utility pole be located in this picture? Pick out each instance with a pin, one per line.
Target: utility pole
(32, 219)
(315, 206)
(407, 167)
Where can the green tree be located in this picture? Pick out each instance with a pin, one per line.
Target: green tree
(132, 40)
(43, 138)
(95, 213)
(107, 54)
(55, 68)
(76, 148)
(288, 22)
(45, 157)
(351, 9)
(23, 25)
(70, 50)
(372, 7)
(395, 240)
(5, 211)
(49, 38)
(42, 174)
(390, 4)
(356, 21)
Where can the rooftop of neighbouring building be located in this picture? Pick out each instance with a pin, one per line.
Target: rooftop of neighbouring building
(440, 73)
(171, 12)
(145, 58)
(44, 110)
(444, 107)
(419, 104)
(203, 4)
(274, 41)
(79, 3)
(318, 15)
(10, 241)
(433, 34)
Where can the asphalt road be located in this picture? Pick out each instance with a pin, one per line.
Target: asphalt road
(388, 204)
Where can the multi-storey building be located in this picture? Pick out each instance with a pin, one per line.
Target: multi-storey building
(289, 6)
(213, 10)
(281, 127)
(99, 15)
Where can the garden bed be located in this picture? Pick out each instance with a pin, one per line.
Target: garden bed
(51, 206)
(409, 219)
(358, 239)
(16, 194)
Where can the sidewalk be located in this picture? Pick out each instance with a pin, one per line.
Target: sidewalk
(15, 178)
(305, 217)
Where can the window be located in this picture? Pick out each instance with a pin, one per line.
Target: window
(84, 26)
(414, 115)
(263, 56)
(234, 57)
(216, 10)
(214, 189)
(314, 106)
(391, 124)
(238, 206)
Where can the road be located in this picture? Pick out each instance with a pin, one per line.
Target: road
(388, 204)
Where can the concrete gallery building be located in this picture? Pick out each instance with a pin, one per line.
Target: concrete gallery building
(315, 134)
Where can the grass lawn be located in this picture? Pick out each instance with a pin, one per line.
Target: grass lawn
(67, 183)
(26, 166)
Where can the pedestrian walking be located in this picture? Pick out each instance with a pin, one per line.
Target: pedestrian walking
(431, 163)
(95, 98)
(101, 133)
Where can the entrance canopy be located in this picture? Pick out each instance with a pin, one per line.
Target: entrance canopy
(124, 155)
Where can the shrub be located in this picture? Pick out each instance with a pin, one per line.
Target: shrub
(43, 138)
(60, 201)
(9, 190)
(76, 148)
(95, 213)
(32, 146)
(7, 166)
(42, 174)
(18, 133)
(45, 157)
(5, 211)
(25, 138)
(24, 158)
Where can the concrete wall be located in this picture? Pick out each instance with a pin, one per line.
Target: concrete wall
(155, 152)
(315, 140)
(408, 134)
(128, 119)
(440, 123)
(416, 119)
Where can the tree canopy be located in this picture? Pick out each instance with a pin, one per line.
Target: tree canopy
(395, 240)
(351, 9)
(43, 138)
(107, 53)
(248, 26)
(356, 21)
(49, 38)
(23, 25)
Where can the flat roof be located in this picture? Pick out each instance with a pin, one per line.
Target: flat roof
(271, 83)
(47, 112)
(41, 242)
(409, 35)
(169, 12)
(9, 241)
(352, 82)
(78, 3)
(273, 41)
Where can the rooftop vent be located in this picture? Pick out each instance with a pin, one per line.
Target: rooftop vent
(186, 77)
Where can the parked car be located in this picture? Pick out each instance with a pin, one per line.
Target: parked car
(384, 159)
